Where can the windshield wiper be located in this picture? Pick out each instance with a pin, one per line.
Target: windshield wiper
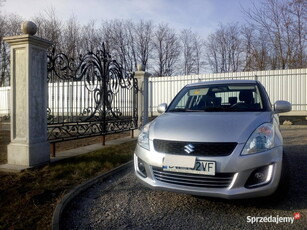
(230, 109)
(178, 110)
(218, 109)
(215, 109)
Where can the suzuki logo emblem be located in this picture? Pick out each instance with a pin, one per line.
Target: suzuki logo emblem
(189, 148)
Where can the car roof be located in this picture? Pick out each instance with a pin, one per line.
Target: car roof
(223, 82)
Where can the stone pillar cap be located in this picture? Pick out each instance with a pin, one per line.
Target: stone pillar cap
(140, 67)
(29, 27)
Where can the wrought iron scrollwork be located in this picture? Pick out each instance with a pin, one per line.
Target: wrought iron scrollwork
(90, 95)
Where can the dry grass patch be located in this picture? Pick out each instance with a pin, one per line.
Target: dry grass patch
(28, 199)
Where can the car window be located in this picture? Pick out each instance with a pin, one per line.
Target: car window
(240, 97)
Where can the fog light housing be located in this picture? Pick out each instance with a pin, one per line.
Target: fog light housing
(260, 176)
(141, 168)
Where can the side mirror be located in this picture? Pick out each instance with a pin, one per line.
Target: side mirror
(282, 107)
(162, 108)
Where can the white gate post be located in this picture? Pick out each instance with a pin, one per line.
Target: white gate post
(142, 78)
(29, 145)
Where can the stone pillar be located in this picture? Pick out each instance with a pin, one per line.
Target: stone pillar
(29, 145)
(142, 78)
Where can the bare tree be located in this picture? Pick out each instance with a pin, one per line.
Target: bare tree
(188, 60)
(283, 24)
(3, 54)
(143, 33)
(192, 49)
(167, 50)
(90, 38)
(275, 37)
(118, 36)
(128, 42)
(298, 10)
(106, 34)
(71, 38)
(9, 26)
(255, 50)
(224, 49)
(131, 46)
(198, 44)
(50, 27)
(213, 60)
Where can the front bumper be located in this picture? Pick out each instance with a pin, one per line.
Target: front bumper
(240, 167)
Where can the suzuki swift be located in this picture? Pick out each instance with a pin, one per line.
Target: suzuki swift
(217, 138)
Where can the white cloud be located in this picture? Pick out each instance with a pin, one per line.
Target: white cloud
(199, 15)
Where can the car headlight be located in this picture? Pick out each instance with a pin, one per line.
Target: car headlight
(143, 139)
(261, 140)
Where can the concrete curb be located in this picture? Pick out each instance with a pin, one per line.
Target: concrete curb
(55, 225)
(293, 126)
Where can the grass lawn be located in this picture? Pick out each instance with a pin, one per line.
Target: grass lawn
(28, 199)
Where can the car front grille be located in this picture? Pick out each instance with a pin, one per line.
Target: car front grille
(199, 148)
(220, 180)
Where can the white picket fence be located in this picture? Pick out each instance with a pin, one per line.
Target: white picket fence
(73, 98)
(289, 85)
(4, 101)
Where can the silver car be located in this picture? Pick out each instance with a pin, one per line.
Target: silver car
(217, 138)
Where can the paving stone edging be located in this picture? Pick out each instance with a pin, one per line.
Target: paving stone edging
(56, 218)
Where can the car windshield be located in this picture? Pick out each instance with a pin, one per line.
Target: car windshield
(218, 98)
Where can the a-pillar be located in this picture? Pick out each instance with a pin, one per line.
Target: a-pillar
(29, 146)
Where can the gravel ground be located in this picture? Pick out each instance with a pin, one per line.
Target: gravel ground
(123, 203)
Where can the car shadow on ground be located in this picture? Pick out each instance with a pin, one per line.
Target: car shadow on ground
(292, 192)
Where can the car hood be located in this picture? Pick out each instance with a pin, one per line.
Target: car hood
(207, 126)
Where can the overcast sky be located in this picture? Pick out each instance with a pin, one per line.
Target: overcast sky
(202, 16)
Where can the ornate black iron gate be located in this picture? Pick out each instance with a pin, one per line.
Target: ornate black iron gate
(89, 96)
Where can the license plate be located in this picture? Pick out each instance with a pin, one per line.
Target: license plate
(200, 167)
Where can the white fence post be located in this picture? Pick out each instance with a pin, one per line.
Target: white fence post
(29, 145)
(142, 78)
